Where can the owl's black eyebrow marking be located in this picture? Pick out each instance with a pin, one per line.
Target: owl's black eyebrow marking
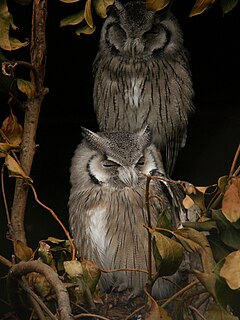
(92, 176)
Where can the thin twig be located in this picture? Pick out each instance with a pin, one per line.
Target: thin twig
(90, 315)
(134, 312)
(123, 269)
(4, 195)
(179, 293)
(5, 261)
(197, 312)
(57, 219)
(234, 161)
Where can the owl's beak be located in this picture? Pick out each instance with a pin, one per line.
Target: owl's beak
(128, 176)
(133, 47)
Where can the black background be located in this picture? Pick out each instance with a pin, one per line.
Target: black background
(214, 130)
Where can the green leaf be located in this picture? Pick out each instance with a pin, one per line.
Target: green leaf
(72, 19)
(168, 254)
(156, 5)
(230, 270)
(101, 7)
(16, 44)
(194, 241)
(222, 183)
(228, 5)
(200, 6)
(228, 233)
(85, 30)
(26, 87)
(208, 280)
(88, 13)
(201, 226)
(231, 200)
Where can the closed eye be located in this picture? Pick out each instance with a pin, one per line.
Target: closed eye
(141, 161)
(109, 163)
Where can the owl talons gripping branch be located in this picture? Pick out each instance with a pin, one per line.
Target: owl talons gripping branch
(142, 77)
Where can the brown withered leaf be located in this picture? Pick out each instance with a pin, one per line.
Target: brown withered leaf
(154, 311)
(14, 169)
(12, 129)
(22, 251)
(5, 148)
(230, 270)
(231, 201)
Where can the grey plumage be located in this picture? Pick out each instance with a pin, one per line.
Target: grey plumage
(142, 77)
(107, 205)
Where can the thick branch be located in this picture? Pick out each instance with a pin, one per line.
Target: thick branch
(38, 61)
(23, 268)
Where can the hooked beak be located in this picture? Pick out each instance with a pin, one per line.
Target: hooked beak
(128, 176)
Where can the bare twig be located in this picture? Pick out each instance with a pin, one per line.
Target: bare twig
(5, 261)
(90, 315)
(197, 312)
(123, 269)
(135, 312)
(23, 268)
(4, 196)
(57, 219)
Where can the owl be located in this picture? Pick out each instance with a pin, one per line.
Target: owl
(107, 206)
(142, 77)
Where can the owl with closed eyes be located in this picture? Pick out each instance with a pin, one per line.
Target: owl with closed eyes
(107, 206)
(142, 77)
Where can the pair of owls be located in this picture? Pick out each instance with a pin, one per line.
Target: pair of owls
(142, 99)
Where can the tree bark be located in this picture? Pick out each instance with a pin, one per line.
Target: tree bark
(33, 106)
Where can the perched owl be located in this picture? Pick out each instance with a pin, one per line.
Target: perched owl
(142, 77)
(107, 205)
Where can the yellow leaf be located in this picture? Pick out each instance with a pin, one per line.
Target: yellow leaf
(85, 30)
(26, 87)
(156, 5)
(15, 170)
(200, 6)
(73, 19)
(12, 129)
(230, 270)
(22, 251)
(88, 13)
(101, 7)
(231, 201)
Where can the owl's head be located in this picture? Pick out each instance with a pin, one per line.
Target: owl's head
(115, 159)
(133, 31)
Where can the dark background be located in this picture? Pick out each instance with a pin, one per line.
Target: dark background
(214, 130)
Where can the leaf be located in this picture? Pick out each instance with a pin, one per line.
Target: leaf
(12, 129)
(88, 13)
(44, 252)
(228, 233)
(208, 280)
(197, 196)
(5, 22)
(73, 19)
(26, 87)
(101, 7)
(194, 241)
(200, 6)
(70, 1)
(85, 30)
(222, 183)
(156, 5)
(22, 251)
(16, 44)
(168, 254)
(5, 148)
(39, 283)
(15, 170)
(215, 312)
(231, 200)
(228, 5)
(91, 273)
(201, 226)
(73, 268)
(154, 311)
(230, 270)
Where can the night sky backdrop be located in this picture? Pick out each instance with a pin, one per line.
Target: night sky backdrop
(214, 130)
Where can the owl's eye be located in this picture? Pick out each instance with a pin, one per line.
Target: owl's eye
(109, 163)
(140, 161)
(151, 33)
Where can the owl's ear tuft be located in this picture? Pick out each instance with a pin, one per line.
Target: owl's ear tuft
(146, 135)
(94, 139)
